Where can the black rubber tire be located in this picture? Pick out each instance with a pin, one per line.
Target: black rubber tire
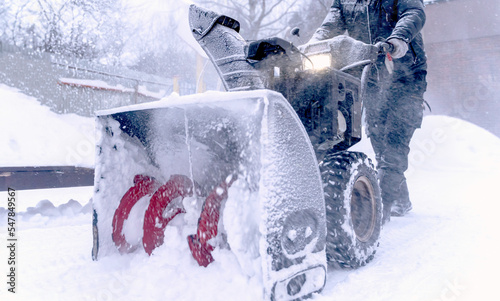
(353, 208)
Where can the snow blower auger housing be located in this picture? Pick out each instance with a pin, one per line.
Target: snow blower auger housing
(261, 170)
(186, 157)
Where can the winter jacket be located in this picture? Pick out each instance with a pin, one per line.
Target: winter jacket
(372, 21)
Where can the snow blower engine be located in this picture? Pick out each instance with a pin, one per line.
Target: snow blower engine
(261, 170)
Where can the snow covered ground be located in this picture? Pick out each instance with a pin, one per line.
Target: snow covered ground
(445, 249)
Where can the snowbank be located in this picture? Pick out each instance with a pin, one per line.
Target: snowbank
(47, 208)
(447, 143)
(32, 135)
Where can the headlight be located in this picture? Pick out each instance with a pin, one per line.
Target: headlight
(318, 62)
(342, 123)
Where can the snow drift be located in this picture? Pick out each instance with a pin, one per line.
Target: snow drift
(32, 135)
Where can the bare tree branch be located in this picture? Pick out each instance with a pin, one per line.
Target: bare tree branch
(284, 14)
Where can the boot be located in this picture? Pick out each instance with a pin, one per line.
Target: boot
(395, 194)
(402, 205)
(386, 213)
(401, 208)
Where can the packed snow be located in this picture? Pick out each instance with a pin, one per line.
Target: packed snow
(445, 249)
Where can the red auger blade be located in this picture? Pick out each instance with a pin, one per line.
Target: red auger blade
(208, 224)
(155, 218)
(143, 185)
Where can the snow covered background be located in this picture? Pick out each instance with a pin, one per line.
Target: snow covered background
(445, 249)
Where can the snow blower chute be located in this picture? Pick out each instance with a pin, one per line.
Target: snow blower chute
(248, 170)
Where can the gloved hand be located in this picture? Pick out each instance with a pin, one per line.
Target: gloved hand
(400, 48)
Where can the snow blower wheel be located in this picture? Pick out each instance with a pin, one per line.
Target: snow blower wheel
(353, 209)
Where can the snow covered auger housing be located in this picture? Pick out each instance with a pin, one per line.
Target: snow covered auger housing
(264, 176)
(185, 157)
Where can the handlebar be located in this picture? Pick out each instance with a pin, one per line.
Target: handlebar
(384, 47)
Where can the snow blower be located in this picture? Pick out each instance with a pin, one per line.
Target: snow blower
(261, 170)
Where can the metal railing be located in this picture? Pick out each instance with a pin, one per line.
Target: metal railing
(45, 76)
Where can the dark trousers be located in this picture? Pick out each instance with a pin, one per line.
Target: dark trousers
(394, 110)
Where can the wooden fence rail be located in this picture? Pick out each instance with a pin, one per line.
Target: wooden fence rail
(40, 177)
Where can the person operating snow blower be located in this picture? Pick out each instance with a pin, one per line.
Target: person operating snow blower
(394, 109)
